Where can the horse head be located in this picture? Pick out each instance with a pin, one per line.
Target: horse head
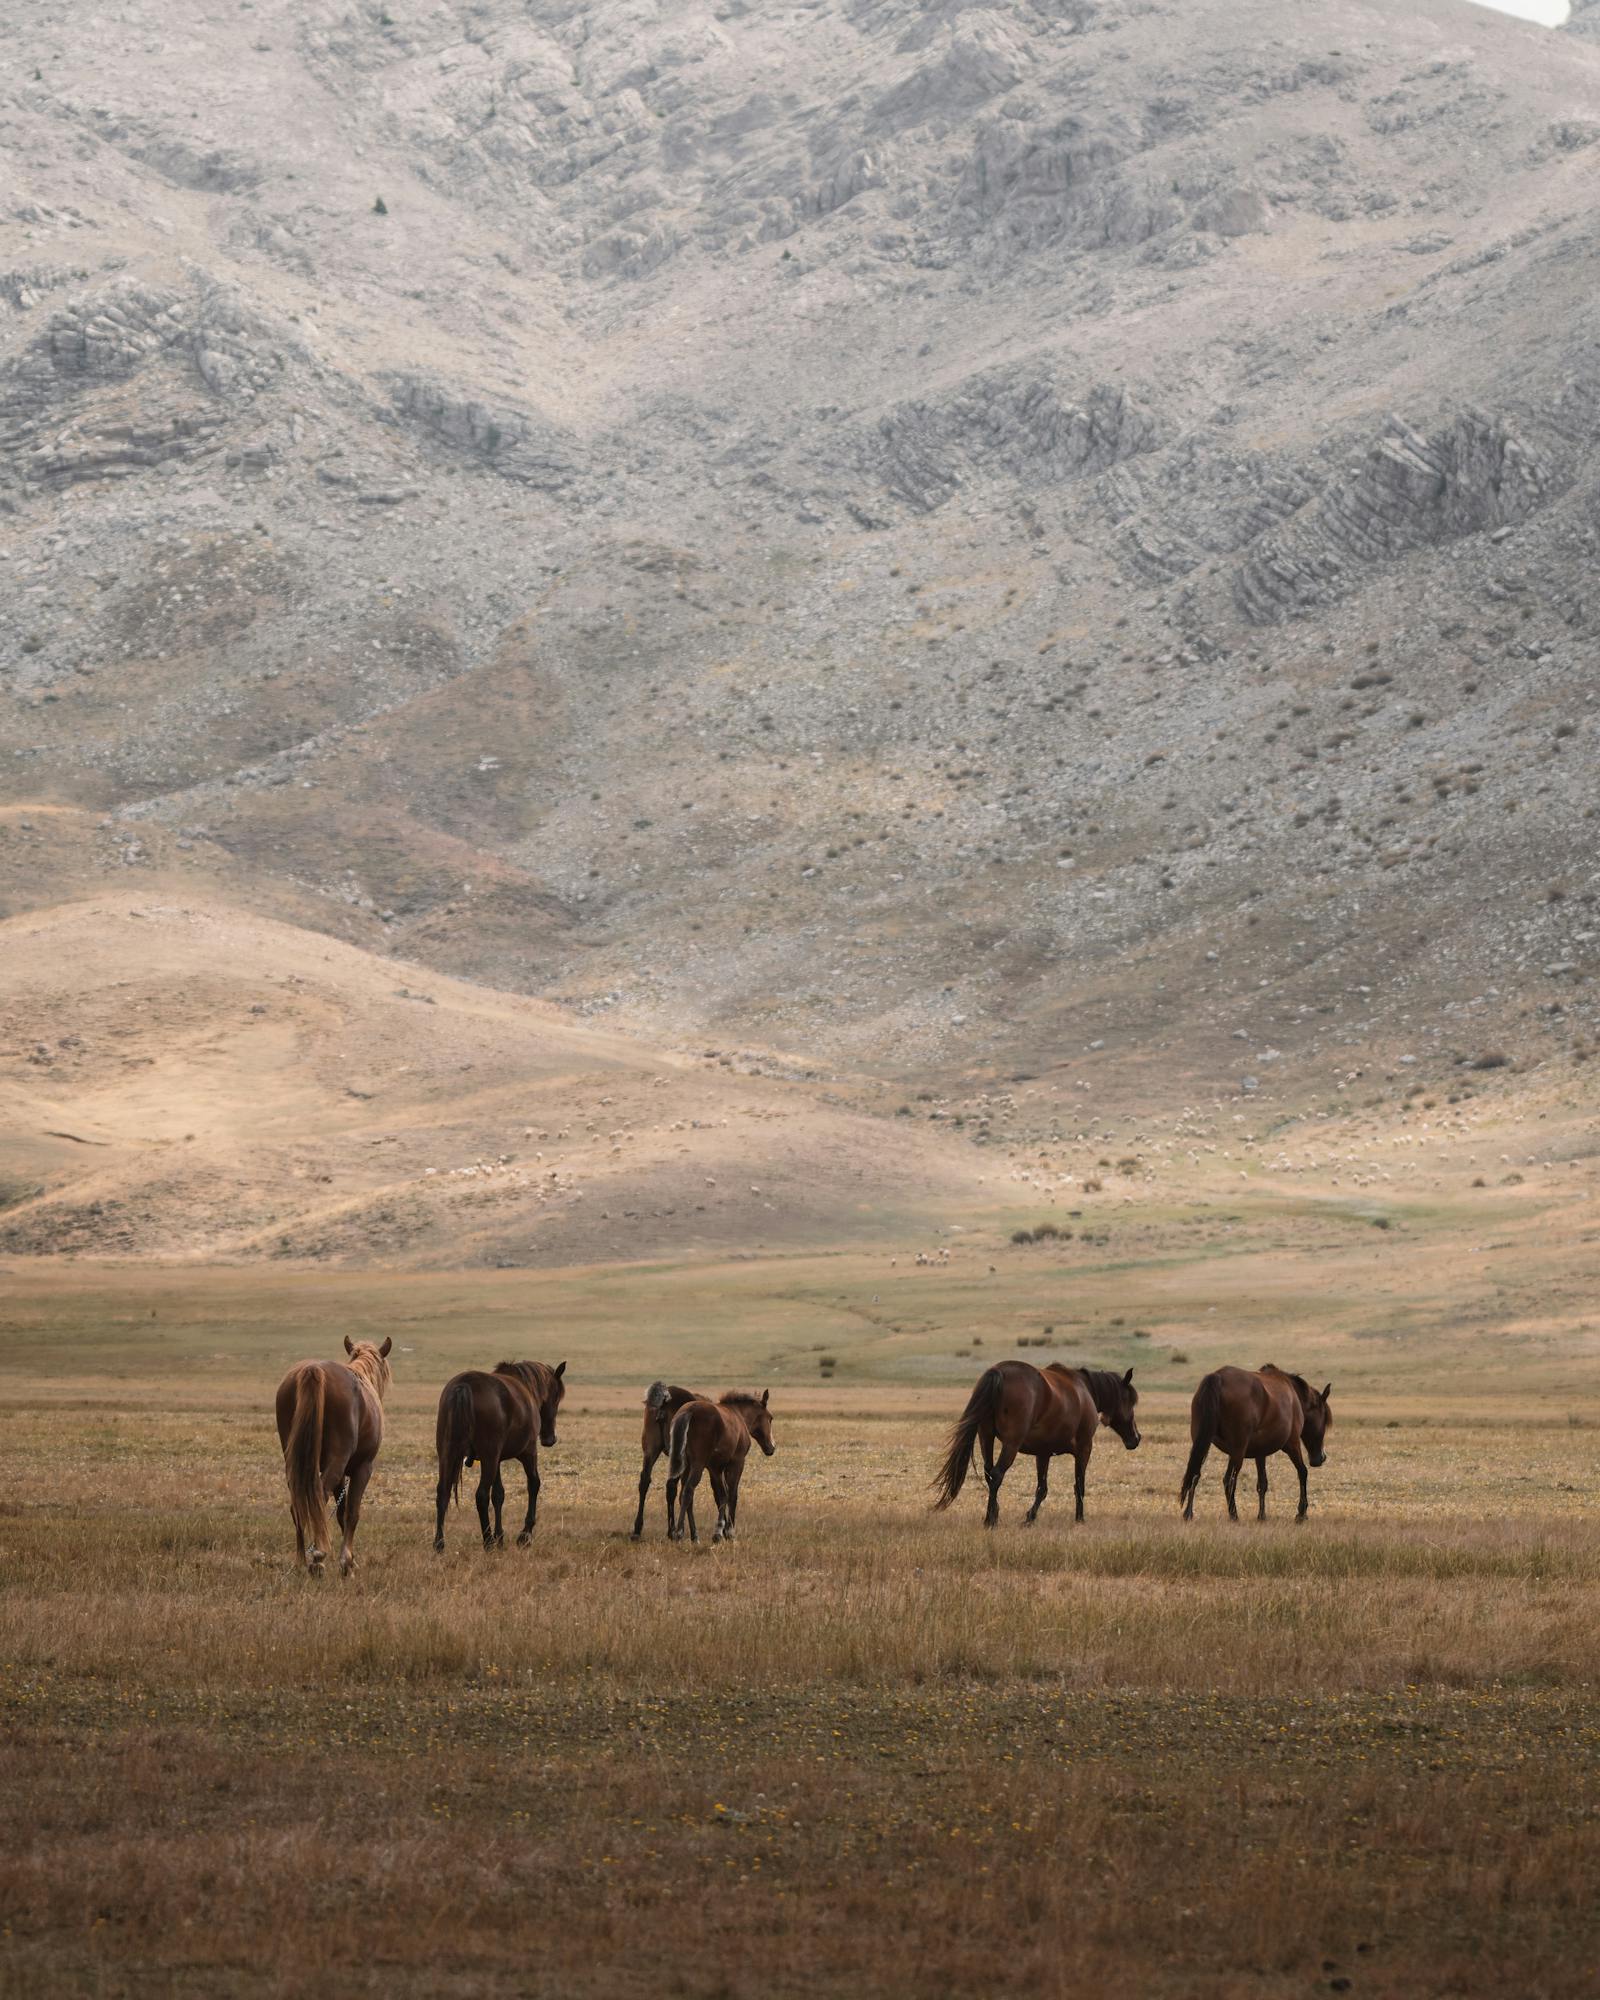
(555, 1388)
(370, 1359)
(1120, 1415)
(1314, 1421)
(758, 1421)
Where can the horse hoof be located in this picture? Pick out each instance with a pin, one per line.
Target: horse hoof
(524, 1538)
(438, 1547)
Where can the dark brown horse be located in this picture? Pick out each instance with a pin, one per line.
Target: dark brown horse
(491, 1418)
(662, 1402)
(1251, 1413)
(715, 1438)
(1043, 1412)
(330, 1425)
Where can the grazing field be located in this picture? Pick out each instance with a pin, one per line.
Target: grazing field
(865, 1748)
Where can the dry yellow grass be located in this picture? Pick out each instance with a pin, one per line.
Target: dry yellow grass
(865, 1749)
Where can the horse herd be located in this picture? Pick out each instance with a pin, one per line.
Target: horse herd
(330, 1425)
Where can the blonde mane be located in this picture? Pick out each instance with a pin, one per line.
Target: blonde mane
(372, 1367)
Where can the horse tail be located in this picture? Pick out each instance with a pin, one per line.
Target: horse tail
(302, 1456)
(981, 1406)
(678, 1463)
(1205, 1420)
(454, 1434)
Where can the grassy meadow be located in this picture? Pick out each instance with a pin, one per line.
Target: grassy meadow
(865, 1748)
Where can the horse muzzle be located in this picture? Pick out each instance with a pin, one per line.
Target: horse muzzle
(1134, 1442)
(547, 1440)
(1319, 1458)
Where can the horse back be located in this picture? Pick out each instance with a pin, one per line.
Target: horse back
(352, 1417)
(1259, 1412)
(717, 1435)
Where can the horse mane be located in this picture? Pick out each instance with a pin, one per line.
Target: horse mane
(740, 1399)
(1298, 1383)
(1105, 1385)
(533, 1375)
(373, 1367)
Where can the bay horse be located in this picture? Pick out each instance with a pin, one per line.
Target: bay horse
(662, 1402)
(330, 1425)
(490, 1418)
(715, 1438)
(1041, 1411)
(1251, 1413)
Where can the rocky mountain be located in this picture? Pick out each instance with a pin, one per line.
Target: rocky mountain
(917, 541)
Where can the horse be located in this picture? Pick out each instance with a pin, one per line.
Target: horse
(507, 1414)
(330, 1425)
(1041, 1411)
(715, 1438)
(662, 1402)
(1251, 1413)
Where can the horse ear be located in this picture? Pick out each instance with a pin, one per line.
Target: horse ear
(1327, 1392)
(1127, 1379)
(561, 1369)
(388, 1342)
(764, 1395)
(349, 1345)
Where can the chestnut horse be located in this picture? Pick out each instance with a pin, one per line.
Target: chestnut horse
(662, 1402)
(330, 1425)
(490, 1418)
(1251, 1413)
(715, 1438)
(1043, 1412)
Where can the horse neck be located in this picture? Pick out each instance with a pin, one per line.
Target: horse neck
(374, 1371)
(1100, 1383)
(533, 1376)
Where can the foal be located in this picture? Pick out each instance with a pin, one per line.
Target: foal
(662, 1402)
(330, 1425)
(490, 1418)
(715, 1438)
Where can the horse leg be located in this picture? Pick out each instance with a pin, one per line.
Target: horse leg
(340, 1498)
(1230, 1481)
(1080, 1474)
(1297, 1459)
(996, 1479)
(299, 1539)
(499, 1509)
(1261, 1486)
(1041, 1491)
(735, 1474)
(719, 1493)
(530, 1466)
(686, 1488)
(650, 1458)
(441, 1506)
(488, 1473)
(350, 1514)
